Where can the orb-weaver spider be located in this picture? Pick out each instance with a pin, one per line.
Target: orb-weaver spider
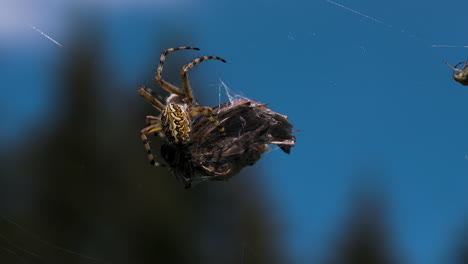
(176, 115)
(460, 75)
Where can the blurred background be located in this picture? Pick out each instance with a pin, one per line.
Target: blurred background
(378, 175)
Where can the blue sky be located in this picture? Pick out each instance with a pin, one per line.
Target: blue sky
(367, 94)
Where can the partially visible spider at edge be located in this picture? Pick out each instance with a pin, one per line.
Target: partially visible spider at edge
(460, 75)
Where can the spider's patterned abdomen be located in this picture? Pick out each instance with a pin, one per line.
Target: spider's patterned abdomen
(176, 123)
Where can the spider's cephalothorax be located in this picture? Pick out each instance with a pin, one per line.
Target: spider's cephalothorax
(460, 75)
(176, 115)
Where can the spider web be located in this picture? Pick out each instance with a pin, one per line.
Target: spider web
(403, 31)
(11, 245)
(231, 96)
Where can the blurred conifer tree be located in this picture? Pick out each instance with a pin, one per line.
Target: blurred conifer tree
(365, 238)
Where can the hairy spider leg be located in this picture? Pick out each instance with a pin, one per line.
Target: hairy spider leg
(210, 114)
(185, 80)
(465, 65)
(165, 85)
(151, 120)
(156, 126)
(155, 95)
(453, 68)
(206, 111)
(146, 93)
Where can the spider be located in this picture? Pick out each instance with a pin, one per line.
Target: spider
(460, 75)
(175, 120)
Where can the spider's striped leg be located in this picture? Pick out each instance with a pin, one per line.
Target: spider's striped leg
(454, 68)
(210, 114)
(186, 68)
(165, 85)
(465, 65)
(157, 96)
(146, 93)
(151, 120)
(145, 131)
